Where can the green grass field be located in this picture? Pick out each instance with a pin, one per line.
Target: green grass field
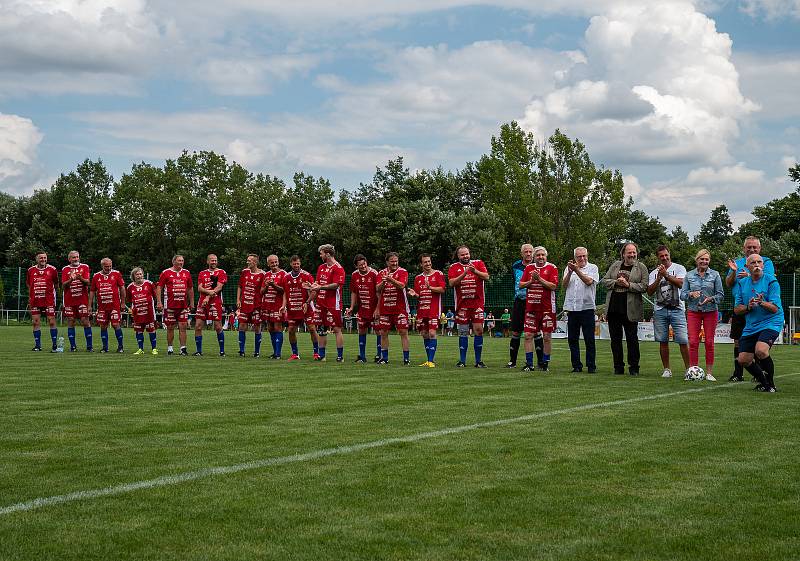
(341, 461)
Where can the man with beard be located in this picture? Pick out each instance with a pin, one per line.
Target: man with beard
(272, 304)
(363, 300)
(392, 309)
(298, 304)
(467, 277)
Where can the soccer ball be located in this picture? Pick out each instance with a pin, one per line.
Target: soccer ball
(695, 373)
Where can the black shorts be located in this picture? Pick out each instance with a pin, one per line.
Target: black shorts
(737, 326)
(748, 344)
(518, 315)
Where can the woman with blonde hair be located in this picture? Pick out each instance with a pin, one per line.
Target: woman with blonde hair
(702, 292)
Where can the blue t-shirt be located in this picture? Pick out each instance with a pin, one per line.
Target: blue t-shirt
(759, 319)
(519, 267)
(741, 265)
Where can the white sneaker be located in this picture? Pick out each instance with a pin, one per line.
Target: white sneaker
(710, 378)
(667, 373)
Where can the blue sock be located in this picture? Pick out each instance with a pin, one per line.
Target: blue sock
(273, 340)
(37, 338)
(242, 339)
(258, 343)
(433, 343)
(362, 346)
(198, 343)
(71, 337)
(546, 358)
(316, 347)
(340, 352)
(279, 342)
(54, 337)
(385, 354)
(406, 355)
(140, 340)
(294, 348)
(477, 343)
(378, 343)
(529, 359)
(152, 339)
(463, 343)
(221, 341)
(427, 343)
(87, 332)
(104, 338)
(322, 352)
(118, 334)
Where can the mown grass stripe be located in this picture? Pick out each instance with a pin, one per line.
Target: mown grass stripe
(176, 479)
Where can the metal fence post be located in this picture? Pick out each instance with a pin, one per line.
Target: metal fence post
(19, 289)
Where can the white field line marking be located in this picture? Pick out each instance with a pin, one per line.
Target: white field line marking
(339, 450)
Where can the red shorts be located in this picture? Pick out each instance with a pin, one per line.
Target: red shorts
(49, 311)
(387, 321)
(106, 316)
(173, 316)
(212, 311)
(536, 322)
(272, 316)
(327, 317)
(426, 324)
(366, 320)
(81, 311)
(465, 316)
(140, 326)
(253, 317)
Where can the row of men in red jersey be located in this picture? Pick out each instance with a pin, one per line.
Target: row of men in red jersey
(272, 297)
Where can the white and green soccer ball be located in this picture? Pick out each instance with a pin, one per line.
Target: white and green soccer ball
(695, 374)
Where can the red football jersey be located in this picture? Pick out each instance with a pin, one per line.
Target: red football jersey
(106, 289)
(177, 285)
(331, 299)
(42, 286)
(364, 286)
(296, 295)
(393, 300)
(429, 303)
(250, 287)
(540, 299)
(76, 293)
(142, 299)
(209, 280)
(469, 294)
(272, 300)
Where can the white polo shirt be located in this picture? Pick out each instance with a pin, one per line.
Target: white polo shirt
(580, 296)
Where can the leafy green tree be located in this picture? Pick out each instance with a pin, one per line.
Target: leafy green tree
(717, 230)
(551, 195)
(681, 248)
(648, 233)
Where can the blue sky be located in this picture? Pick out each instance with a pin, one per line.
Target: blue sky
(695, 102)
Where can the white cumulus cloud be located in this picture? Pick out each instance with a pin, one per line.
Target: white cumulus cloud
(657, 86)
(19, 139)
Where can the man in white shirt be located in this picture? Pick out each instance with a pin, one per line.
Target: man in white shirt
(580, 280)
(665, 282)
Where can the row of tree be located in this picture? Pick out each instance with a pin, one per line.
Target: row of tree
(550, 194)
